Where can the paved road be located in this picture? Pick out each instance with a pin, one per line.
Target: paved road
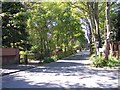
(70, 72)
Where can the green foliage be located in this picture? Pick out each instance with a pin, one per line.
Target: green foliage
(22, 54)
(21, 61)
(14, 25)
(47, 60)
(30, 56)
(65, 54)
(115, 23)
(100, 61)
(113, 61)
(53, 24)
(50, 59)
(54, 58)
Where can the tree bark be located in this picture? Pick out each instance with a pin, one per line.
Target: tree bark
(108, 29)
(90, 36)
(97, 24)
(92, 23)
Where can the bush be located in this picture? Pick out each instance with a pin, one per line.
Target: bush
(54, 58)
(21, 61)
(31, 56)
(22, 53)
(113, 61)
(47, 59)
(57, 56)
(100, 61)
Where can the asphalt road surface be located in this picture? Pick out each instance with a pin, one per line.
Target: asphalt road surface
(70, 72)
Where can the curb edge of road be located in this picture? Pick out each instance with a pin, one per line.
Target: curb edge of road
(4, 74)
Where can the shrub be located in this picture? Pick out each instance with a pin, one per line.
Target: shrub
(50, 59)
(47, 60)
(54, 58)
(113, 61)
(100, 61)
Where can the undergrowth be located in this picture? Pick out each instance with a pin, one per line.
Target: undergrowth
(100, 61)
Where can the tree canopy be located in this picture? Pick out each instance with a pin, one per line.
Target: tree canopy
(14, 25)
(43, 26)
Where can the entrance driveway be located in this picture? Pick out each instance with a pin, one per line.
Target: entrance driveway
(70, 72)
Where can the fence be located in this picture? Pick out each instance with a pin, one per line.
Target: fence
(9, 55)
(115, 49)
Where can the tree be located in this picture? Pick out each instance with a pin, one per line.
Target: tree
(14, 25)
(54, 24)
(108, 28)
(92, 12)
(115, 26)
(115, 22)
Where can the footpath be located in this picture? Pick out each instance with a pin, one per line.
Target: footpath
(9, 69)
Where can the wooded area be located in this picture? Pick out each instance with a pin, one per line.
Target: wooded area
(41, 27)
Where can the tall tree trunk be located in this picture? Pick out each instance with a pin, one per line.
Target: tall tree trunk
(97, 24)
(90, 36)
(41, 45)
(118, 50)
(92, 24)
(108, 29)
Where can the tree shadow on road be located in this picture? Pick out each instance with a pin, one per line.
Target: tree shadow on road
(77, 57)
(68, 67)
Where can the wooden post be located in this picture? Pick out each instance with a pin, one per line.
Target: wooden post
(118, 50)
(25, 59)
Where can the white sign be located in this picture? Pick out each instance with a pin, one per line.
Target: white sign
(101, 49)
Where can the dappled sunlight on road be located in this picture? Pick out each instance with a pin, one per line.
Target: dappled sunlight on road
(64, 77)
(63, 74)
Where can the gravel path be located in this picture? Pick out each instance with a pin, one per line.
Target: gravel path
(70, 72)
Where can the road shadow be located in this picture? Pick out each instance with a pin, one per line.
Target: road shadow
(77, 57)
(59, 69)
(8, 69)
(23, 84)
(68, 67)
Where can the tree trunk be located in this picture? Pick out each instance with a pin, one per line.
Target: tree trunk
(92, 25)
(111, 49)
(118, 50)
(97, 24)
(90, 37)
(108, 29)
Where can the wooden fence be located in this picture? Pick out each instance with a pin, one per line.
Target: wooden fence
(9, 55)
(115, 49)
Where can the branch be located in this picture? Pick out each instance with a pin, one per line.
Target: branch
(112, 4)
(75, 6)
